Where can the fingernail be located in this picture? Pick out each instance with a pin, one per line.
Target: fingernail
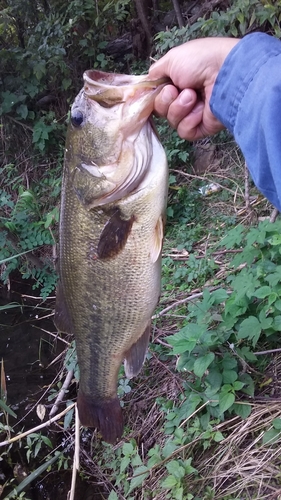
(198, 108)
(166, 96)
(185, 97)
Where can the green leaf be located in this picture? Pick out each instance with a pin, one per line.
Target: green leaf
(127, 449)
(218, 436)
(226, 400)
(275, 239)
(175, 469)
(47, 441)
(247, 354)
(271, 436)
(141, 474)
(229, 362)
(214, 378)
(186, 339)
(237, 385)
(262, 292)
(276, 422)
(7, 409)
(124, 463)
(242, 410)
(250, 328)
(201, 364)
(277, 323)
(277, 305)
(229, 376)
(219, 296)
(113, 495)
(22, 111)
(67, 419)
(169, 483)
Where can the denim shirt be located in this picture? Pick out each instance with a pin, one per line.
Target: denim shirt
(246, 98)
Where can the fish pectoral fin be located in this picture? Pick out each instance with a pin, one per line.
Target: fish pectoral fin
(104, 414)
(114, 235)
(157, 240)
(62, 319)
(135, 356)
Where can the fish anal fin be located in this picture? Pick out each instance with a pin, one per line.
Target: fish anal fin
(62, 319)
(135, 356)
(114, 235)
(104, 415)
(157, 240)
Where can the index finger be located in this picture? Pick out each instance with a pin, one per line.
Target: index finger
(159, 69)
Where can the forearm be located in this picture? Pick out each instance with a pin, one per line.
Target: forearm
(247, 99)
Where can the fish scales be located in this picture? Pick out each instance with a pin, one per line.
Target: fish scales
(110, 247)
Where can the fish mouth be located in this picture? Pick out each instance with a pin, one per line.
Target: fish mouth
(109, 89)
(109, 80)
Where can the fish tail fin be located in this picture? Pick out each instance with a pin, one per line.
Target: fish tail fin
(105, 415)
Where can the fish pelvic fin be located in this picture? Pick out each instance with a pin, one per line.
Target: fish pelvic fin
(104, 415)
(135, 356)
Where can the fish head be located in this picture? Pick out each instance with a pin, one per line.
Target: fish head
(109, 135)
(134, 94)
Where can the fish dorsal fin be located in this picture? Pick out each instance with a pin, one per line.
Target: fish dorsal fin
(157, 240)
(62, 319)
(114, 235)
(135, 356)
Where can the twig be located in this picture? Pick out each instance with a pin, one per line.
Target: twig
(273, 215)
(23, 295)
(183, 301)
(35, 429)
(247, 191)
(205, 178)
(19, 123)
(55, 335)
(61, 393)
(270, 351)
(75, 467)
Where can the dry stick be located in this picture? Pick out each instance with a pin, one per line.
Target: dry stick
(61, 393)
(38, 299)
(273, 215)
(247, 191)
(270, 351)
(41, 426)
(55, 335)
(183, 301)
(205, 178)
(75, 467)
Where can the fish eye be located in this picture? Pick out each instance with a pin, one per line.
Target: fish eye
(76, 118)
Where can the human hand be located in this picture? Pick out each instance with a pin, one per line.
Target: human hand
(193, 68)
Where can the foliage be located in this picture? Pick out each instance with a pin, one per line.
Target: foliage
(28, 224)
(39, 43)
(219, 335)
(240, 18)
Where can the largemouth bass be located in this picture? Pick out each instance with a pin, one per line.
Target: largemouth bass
(111, 231)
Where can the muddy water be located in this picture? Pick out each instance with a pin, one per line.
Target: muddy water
(27, 351)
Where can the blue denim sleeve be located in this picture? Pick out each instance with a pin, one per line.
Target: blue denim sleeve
(247, 99)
